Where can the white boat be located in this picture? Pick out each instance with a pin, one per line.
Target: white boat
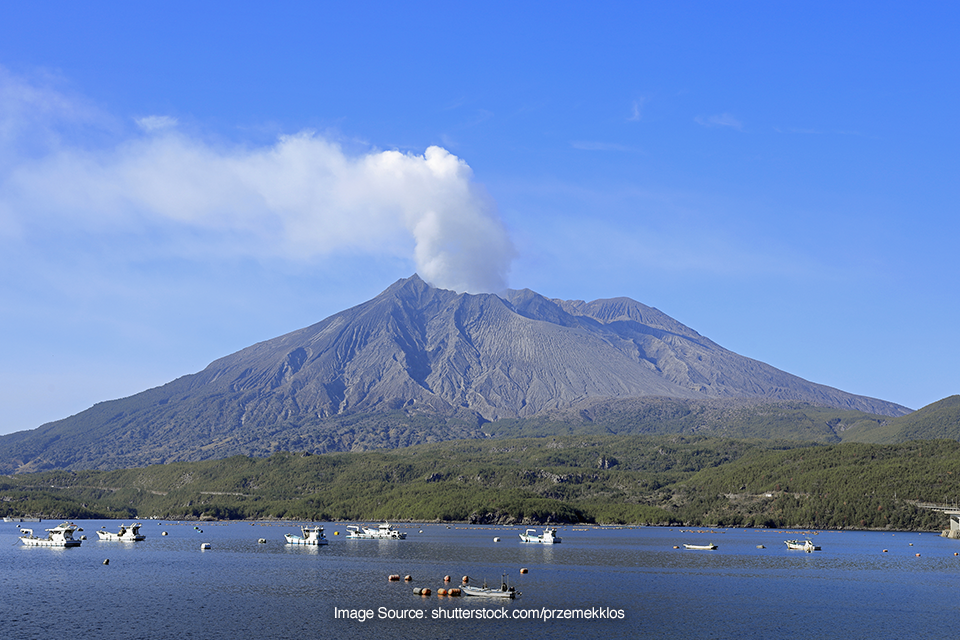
(384, 532)
(486, 592)
(801, 545)
(549, 536)
(126, 534)
(60, 536)
(310, 535)
(704, 547)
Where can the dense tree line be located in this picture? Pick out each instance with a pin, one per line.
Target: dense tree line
(671, 479)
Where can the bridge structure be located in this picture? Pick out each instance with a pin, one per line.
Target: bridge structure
(954, 531)
(952, 512)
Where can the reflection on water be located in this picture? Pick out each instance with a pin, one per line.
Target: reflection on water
(876, 585)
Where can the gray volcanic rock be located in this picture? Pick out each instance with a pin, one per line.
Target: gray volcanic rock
(415, 364)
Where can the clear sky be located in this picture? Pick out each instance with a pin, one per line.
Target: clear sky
(181, 180)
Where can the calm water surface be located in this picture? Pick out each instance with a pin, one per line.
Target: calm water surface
(166, 587)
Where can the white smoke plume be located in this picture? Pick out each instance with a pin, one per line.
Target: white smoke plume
(299, 198)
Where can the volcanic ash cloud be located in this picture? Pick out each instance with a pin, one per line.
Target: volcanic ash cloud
(300, 198)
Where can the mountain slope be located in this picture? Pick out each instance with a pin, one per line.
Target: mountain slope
(415, 364)
(937, 421)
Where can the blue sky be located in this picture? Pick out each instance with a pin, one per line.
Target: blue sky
(178, 181)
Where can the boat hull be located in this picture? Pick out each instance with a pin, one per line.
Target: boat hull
(311, 537)
(801, 545)
(292, 539)
(383, 532)
(549, 536)
(41, 542)
(113, 537)
(131, 534)
(487, 593)
(537, 540)
(59, 536)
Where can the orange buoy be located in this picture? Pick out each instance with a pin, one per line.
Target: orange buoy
(466, 579)
(523, 569)
(446, 578)
(407, 578)
(453, 592)
(441, 592)
(425, 592)
(394, 577)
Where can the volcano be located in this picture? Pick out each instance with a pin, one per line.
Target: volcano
(416, 364)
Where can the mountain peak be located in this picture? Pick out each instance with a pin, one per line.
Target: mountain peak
(375, 374)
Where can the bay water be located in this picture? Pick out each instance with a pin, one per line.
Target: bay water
(599, 582)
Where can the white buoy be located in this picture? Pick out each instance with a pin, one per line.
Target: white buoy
(205, 545)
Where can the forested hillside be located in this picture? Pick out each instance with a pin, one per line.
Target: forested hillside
(696, 481)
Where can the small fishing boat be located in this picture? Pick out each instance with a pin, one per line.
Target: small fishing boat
(309, 535)
(549, 536)
(384, 532)
(60, 536)
(486, 592)
(703, 547)
(801, 545)
(126, 534)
